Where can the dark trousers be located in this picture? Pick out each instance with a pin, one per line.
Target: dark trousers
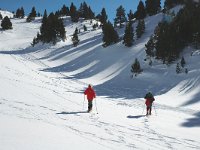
(89, 105)
(148, 110)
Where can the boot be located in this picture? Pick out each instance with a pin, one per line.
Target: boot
(89, 109)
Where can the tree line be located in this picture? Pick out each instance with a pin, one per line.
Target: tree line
(166, 44)
(86, 12)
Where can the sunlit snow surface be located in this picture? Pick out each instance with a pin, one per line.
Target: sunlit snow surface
(42, 103)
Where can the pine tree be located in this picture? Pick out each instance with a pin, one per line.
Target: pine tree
(183, 62)
(196, 40)
(141, 12)
(35, 40)
(120, 16)
(44, 28)
(152, 7)
(60, 29)
(29, 19)
(168, 4)
(186, 70)
(150, 47)
(67, 12)
(140, 28)
(58, 13)
(38, 14)
(74, 13)
(33, 12)
(167, 42)
(110, 36)
(32, 15)
(81, 11)
(129, 35)
(64, 11)
(20, 13)
(85, 28)
(97, 17)
(17, 15)
(135, 68)
(91, 14)
(95, 26)
(75, 39)
(52, 29)
(103, 17)
(85, 12)
(130, 16)
(178, 68)
(6, 23)
(150, 62)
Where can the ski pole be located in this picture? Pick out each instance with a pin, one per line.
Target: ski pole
(83, 102)
(155, 109)
(96, 105)
(143, 109)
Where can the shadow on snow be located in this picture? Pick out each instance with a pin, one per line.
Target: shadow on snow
(192, 122)
(135, 117)
(71, 113)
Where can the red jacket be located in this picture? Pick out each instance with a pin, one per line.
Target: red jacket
(90, 93)
(149, 102)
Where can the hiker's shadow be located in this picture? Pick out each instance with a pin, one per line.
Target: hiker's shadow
(135, 117)
(71, 113)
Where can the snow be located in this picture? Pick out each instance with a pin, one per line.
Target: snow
(42, 104)
(5, 13)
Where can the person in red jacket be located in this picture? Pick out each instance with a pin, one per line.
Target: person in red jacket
(90, 96)
(149, 101)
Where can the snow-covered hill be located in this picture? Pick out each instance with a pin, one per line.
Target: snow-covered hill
(42, 104)
(6, 13)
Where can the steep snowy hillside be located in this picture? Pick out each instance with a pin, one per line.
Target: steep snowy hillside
(42, 104)
(106, 68)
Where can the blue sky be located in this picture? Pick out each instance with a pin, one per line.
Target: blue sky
(53, 5)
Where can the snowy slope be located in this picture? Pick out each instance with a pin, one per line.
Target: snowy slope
(6, 13)
(42, 105)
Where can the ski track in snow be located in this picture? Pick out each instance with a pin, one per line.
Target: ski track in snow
(119, 134)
